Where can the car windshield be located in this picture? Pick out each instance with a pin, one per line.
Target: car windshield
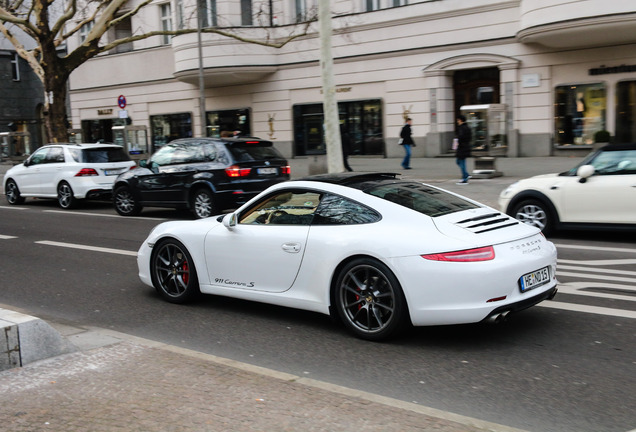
(421, 198)
(253, 152)
(101, 155)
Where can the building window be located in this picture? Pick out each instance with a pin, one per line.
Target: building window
(123, 30)
(301, 10)
(180, 14)
(228, 122)
(15, 67)
(166, 22)
(246, 12)
(85, 30)
(371, 5)
(207, 9)
(625, 131)
(166, 128)
(579, 113)
(399, 3)
(361, 120)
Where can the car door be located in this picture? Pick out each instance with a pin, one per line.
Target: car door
(28, 179)
(51, 170)
(265, 249)
(608, 196)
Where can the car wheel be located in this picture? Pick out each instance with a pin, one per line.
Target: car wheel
(369, 299)
(534, 212)
(65, 197)
(13, 193)
(173, 272)
(125, 203)
(203, 203)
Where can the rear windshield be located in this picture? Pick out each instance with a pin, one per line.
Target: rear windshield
(100, 155)
(421, 198)
(253, 152)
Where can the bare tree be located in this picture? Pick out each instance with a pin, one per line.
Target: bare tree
(50, 23)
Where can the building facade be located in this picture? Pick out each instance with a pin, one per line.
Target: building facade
(21, 105)
(534, 78)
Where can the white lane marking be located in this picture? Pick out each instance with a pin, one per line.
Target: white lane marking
(13, 208)
(576, 288)
(595, 248)
(87, 247)
(100, 214)
(595, 270)
(7, 237)
(588, 309)
(599, 262)
(596, 277)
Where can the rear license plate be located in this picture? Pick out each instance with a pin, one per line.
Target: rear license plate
(534, 279)
(111, 172)
(267, 171)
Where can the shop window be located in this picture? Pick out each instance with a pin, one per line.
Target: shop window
(625, 131)
(168, 127)
(228, 123)
(361, 120)
(579, 113)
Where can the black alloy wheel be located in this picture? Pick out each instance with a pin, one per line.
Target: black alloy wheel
(125, 203)
(13, 193)
(65, 197)
(203, 204)
(534, 212)
(369, 300)
(173, 272)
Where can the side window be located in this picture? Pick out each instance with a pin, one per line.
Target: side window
(615, 162)
(55, 155)
(39, 157)
(287, 207)
(337, 210)
(76, 154)
(209, 151)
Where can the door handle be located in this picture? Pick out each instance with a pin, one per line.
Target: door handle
(291, 247)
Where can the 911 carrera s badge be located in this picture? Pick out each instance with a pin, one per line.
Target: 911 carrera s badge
(223, 281)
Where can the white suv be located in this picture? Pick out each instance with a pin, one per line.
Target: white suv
(67, 172)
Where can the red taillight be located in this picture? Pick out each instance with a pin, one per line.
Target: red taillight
(86, 172)
(469, 255)
(235, 171)
(285, 170)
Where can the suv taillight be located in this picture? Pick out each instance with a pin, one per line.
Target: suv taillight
(86, 172)
(286, 170)
(236, 171)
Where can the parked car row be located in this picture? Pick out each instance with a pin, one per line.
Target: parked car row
(204, 175)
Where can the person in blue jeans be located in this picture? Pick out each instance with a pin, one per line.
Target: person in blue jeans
(407, 142)
(463, 135)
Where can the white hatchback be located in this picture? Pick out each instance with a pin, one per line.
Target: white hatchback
(67, 172)
(599, 192)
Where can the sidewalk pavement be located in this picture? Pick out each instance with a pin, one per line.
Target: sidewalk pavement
(118, 382)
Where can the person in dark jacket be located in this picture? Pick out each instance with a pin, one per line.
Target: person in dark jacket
(407, 142)
(463, 135)
(346, 146)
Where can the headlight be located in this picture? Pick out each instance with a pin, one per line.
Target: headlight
(509, 190)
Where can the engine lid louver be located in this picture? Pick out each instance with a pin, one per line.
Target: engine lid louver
(487, 222)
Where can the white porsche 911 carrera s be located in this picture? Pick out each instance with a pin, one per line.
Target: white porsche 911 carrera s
(371, 249)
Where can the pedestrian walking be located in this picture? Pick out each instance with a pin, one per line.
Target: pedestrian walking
(407, 142)
(462, 150)
(345, 140)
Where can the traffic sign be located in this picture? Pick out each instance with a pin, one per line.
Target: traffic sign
(121, 101)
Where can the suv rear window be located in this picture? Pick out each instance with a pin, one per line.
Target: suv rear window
(100, 155)
(243, 152)
(421, 198)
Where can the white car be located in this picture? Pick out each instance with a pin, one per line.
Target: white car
(373, 250)
(67, 172)
(599, 192)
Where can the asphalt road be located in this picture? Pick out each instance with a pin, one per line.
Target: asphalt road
(567, 367)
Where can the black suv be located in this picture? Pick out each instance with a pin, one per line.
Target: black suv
(205, 175)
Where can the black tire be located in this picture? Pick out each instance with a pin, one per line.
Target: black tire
(65, 197)
(536, 213)
(125, 202)
(173, 273)
(202, 203)
(369, 300)
(12, 193)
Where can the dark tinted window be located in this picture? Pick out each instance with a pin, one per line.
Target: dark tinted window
(253, 152)
(421, 198)
(106, 154)
(337, 210)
